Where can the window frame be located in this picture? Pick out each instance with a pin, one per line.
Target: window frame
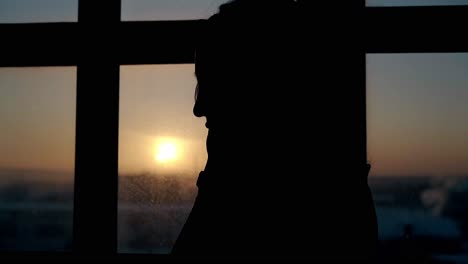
(99, 43)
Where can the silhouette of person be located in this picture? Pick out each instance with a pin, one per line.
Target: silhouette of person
(270, 187)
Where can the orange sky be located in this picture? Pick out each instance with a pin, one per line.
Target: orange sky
(416, 116)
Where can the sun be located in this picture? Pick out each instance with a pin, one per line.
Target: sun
(166, 152)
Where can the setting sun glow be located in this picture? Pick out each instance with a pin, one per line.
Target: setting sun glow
(166, 152)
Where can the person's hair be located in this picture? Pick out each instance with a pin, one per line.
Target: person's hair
(240, 34)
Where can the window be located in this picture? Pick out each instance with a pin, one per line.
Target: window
(418, 150)
(161, 151)
(37, 144)
(97, 228)
(33, 11)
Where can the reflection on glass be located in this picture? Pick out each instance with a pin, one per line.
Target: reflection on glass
(418, 148)
(37, 145)
(169, 9)
(161, 151)
(415, 2)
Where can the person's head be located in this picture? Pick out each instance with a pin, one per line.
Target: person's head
(244, 53)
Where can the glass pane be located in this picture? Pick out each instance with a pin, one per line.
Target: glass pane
(37, 153)
(415, 2)
(169, 9)
(418, 148)
(34, 11)
(161, 151)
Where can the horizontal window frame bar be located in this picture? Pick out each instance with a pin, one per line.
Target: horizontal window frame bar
(435, 29)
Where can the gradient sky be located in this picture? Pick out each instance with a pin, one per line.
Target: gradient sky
(417, 113)
(37, 117)
(156, 104)
(416, 103)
